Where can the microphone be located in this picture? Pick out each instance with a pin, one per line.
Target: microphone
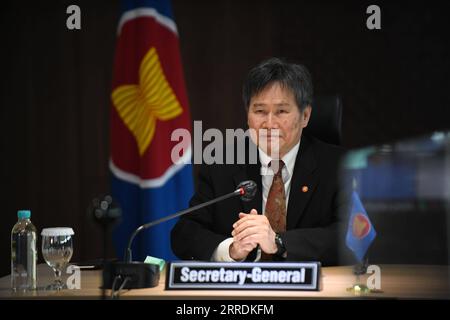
(144, 275)
(246, 189)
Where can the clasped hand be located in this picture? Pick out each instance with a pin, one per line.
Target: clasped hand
(249, 231)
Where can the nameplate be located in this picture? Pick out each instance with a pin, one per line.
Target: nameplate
(251, 275)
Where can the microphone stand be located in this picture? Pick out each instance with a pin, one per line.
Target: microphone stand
(145, 275)
(128, 254)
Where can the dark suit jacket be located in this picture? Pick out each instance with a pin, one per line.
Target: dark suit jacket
(312, 217)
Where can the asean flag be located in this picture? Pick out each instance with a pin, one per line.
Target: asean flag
(149, 103)
(360, 232)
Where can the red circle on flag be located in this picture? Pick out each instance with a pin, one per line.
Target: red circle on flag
(361, 226)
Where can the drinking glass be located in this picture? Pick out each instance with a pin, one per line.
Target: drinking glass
(57, 250)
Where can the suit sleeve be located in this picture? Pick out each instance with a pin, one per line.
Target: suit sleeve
(319, 243)
(192, 237)
(323, 241)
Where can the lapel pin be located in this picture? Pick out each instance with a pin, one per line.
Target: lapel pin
(305, 189)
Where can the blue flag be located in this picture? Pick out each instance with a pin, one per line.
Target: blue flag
(149, 102)
(360, 232)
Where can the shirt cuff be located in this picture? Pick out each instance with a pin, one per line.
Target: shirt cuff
(222, 252)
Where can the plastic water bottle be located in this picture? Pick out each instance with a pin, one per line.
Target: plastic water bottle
(23, 253)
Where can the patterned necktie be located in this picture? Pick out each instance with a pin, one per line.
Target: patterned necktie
(276, 203)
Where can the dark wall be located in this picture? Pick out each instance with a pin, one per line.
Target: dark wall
(55, 86)
(54, 117)
(393, 81)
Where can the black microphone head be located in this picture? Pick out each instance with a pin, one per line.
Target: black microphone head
(249, 188)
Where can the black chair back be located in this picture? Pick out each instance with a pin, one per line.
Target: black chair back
(326, 119)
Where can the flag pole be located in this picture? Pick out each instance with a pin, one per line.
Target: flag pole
(360, 268)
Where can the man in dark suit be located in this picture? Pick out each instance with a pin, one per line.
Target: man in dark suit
(294, 215)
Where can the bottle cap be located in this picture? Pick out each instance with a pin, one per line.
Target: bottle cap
(55, 232)
(24, 214)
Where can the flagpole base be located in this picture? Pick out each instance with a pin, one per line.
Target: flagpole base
(359, 289)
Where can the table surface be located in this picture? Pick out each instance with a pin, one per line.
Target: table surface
(397, 281)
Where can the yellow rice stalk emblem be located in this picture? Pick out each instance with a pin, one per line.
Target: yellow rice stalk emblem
(140, 105)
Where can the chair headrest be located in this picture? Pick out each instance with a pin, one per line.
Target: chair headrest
(326, 119)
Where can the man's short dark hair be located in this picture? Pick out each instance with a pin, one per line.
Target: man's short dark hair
(295, 77)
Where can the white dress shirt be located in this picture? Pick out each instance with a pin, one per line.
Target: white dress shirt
(222, 252)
